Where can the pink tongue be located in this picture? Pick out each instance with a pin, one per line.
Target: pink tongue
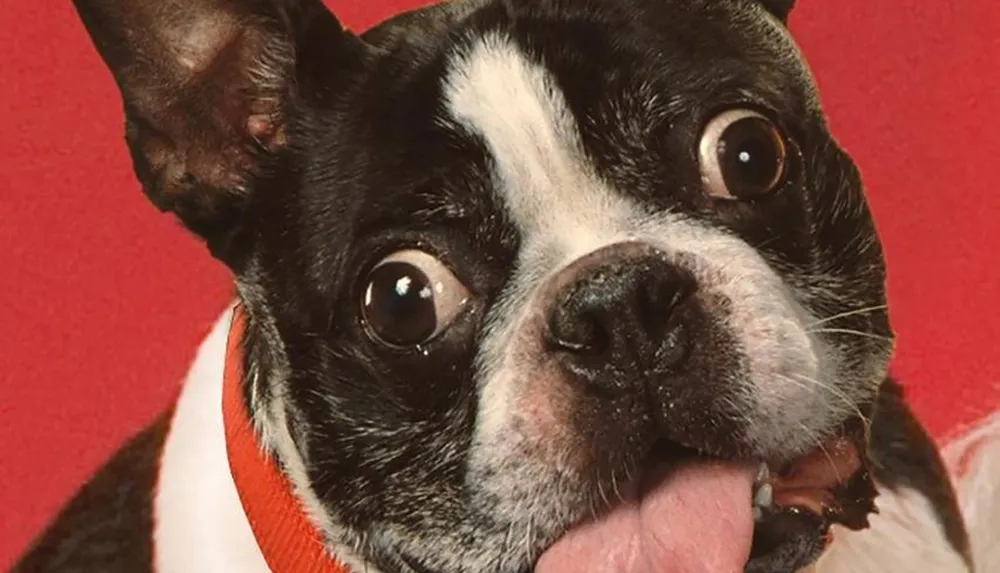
(696, 520)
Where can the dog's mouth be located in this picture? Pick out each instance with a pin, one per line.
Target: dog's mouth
(708, 515)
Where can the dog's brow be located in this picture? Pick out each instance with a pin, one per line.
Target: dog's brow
(417, 210)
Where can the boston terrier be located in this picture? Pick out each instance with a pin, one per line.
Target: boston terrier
(549, 286)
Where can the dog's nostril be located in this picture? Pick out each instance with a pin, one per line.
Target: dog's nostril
(579, 333)
(654, 301)
(676, 343)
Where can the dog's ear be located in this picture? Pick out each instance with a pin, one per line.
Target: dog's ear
(206, 84)
(780, 8)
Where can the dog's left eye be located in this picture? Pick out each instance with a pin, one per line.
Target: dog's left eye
(410, 298)
(742, 155)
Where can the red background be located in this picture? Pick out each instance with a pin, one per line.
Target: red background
(103, 300)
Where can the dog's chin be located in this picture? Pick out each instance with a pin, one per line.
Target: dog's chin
(706, 514)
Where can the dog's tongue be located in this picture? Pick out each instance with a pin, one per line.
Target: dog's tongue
(695, 520)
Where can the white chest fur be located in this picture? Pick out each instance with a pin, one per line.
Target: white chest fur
(200, 524)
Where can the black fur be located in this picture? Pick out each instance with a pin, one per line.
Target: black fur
(108, 525)
(780, 8)
(347, 160)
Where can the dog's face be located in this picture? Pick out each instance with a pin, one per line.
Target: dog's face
(503, 257)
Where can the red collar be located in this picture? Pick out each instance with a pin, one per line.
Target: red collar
(287, 538)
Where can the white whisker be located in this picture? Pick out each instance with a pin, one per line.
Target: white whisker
(854, 312)
(849, 331)
(801, 380)
(833, 464)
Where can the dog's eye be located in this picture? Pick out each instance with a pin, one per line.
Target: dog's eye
(410, 298)
(742, 155)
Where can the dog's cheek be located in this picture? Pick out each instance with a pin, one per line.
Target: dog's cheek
(848, 276)
(373, 475)
(825, 250)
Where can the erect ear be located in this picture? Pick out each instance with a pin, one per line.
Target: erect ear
(780, 8)
(205, 85)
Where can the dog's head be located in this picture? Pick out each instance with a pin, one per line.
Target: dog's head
(503, 258)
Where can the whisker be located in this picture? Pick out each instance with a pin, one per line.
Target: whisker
(833, 464)
(766, 242)
(604, 495)
(815, 439)
(616, 493)
(854, 312)
(528, 550)
(801, 381)
(849, 331)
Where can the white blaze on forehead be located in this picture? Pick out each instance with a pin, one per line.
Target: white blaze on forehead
(544, 180)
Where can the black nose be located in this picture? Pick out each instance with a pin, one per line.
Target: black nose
(622, 321)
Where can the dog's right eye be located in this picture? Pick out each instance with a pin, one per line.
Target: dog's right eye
(410, 298)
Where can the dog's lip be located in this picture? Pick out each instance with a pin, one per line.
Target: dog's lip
(831, 482)
(830, 485)
(809, 482)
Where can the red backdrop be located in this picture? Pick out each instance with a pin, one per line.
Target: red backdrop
(103, 300)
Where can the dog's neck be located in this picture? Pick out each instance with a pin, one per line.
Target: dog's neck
(288, 539)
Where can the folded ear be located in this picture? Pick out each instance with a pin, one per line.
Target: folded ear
(205, 85)
(780, 8)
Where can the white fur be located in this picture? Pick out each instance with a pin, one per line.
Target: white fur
(975, 459)
(200, 523)
(904, 536)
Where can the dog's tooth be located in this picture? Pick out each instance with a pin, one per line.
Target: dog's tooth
(764, 496)
(758, 513)
(763, 473)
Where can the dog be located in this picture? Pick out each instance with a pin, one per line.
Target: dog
(523, 286)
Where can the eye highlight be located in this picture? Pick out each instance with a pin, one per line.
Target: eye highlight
(410, 297)
(742, 155)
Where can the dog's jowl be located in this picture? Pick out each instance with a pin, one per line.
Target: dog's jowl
(550, 286)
